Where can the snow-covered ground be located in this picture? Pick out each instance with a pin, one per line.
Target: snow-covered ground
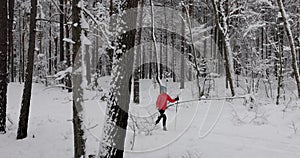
(50, 124)
(207, 129)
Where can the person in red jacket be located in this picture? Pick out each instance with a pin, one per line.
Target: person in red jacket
(161, 105)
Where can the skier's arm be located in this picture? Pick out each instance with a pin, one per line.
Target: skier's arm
(170, 99)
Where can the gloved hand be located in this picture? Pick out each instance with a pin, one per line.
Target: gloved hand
(177, 98)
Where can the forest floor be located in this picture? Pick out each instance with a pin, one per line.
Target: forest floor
(207, 129)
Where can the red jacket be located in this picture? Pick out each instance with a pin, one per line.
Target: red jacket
(161, 102)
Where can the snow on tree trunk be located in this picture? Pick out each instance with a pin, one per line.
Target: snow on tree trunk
(221, 22)
(114, 131)
(24, 113)
(78, 75)
(3, 65)
(291, 42)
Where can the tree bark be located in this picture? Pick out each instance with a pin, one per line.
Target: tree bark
(10, 37)
(137, 70)
(68, 49)
(182, 63)
(25, 107)
(61, 31)
(78, 127)
(88, 65)
(20, 45)
(114, 131)
(50, 41)
(3, 65)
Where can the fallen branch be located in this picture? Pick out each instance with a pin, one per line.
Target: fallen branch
(199, 99)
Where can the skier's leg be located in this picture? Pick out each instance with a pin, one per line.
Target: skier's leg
(164, 122)
(161, 113)
(164, 119)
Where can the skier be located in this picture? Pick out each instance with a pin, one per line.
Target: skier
(161, 105)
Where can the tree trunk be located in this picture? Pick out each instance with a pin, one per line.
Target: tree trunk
(173, 61)
(50, 42)
(20, 45)
(88, 65)
(10, 37)
(154, 44)
(25, 107)
(61, 31)
(3, 65)
(221, 22)
(114, 131)
(200, 93)
(23, 48)
(166, 39)
(78, 127)
(291, 42)
(55, 54)
(68, 49)
(182, 63)
(137, 70)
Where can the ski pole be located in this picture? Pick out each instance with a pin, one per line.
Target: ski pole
(176, 114)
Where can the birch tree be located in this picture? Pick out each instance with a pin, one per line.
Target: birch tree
(114, 131)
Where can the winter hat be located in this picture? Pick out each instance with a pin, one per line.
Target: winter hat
(163, 89)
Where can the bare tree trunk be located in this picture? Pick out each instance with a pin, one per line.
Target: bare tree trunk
(50, 41)
(88, 65)
(154, 44)
(137, 70)
(61, 31)
(291, 42)
(182, 63)
(161, 56)
(221, 22)
(68, 49)
(55, 54)
(114, 131)
(166, 39)
(200, 93)
(10, 37)
(173, 61)
(3, 65)
(20, 45)
(25, 107)
(78, 127)
(280, 35)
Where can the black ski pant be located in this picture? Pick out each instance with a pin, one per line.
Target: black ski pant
(162, 115)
